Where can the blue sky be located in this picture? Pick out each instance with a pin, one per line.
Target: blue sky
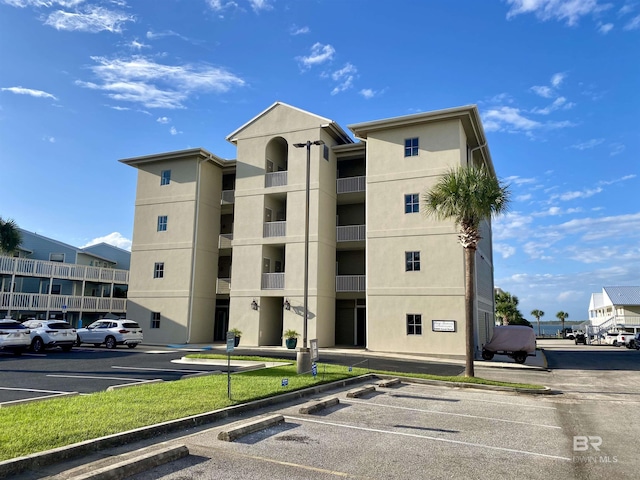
(84, 83)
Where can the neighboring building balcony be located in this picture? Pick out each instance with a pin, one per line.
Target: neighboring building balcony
(223, 286)
(351, 283)
(351, 184)
(275, 179)
(41, 302)
(274, 229)
(25, 267)
(228, 197)
(272, 281)
(224, 241)
(351, 233)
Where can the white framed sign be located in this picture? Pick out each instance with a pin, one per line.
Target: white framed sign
(443, 325)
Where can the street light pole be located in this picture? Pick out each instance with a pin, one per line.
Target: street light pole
(303, 356)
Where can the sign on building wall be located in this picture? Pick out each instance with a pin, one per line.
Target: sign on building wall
(443, 325)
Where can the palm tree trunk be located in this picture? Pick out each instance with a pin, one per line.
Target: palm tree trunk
(469, 294)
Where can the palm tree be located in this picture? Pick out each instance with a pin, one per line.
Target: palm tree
(507, 307)
(10, 236)
(562, 316)
(467, 195)
(538, 313)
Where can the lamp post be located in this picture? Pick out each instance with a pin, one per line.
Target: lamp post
(303, 356)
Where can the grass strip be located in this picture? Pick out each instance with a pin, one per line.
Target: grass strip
(39, 426)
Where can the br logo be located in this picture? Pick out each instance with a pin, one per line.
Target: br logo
(582, 443)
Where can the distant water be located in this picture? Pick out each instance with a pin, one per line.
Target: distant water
(553, 329)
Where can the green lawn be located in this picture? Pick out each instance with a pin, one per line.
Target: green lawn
(39, 426)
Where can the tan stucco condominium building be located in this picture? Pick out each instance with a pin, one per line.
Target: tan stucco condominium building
(220, 244)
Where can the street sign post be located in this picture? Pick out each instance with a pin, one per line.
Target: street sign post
(231, 338)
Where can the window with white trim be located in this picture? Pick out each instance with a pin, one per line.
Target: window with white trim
(411, 147)
(158, 270)
(162, 223)
(411, 203)
(165, 177)
(155, 319)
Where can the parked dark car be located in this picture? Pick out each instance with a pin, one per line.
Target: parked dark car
(580, 338)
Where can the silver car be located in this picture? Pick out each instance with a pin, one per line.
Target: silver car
(50, 334)
(14, 336)
(111, 333)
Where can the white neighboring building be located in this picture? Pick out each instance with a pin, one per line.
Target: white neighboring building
(614, 309)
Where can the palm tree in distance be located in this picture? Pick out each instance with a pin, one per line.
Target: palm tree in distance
(562, 316)
(10, 236)
(467, 195)
(506, 307)
(538, 313)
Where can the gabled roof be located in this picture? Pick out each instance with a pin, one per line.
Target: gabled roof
(335, 129)
(623, 295)
(177, 155)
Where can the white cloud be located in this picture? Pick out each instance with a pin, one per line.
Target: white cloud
(617, 180)
(594, 142)
(28, 91)
(516, 180)
(163, 120)
(167, 33)
(633, 24)
(557, 79)
(557, 103)
(174, 131)
(319, 54)
(259, 5)
(219, 5)
(513, 120)
(92, 19)
(49, 139)
(141, 80)
(295, 30)
(41, 3)
(543, 91)
(511, 225)
(616, 149)
(524, 198)
(590, 192)
(136, 45)
(562, 10)
(116, 239)
(345, 76)
(504, 250)
(605, 28)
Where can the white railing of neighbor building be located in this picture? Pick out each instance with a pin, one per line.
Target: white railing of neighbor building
(25, 267)
(225, 240)
(228, 197)
(41, 302)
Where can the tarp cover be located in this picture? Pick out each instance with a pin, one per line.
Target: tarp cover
(512, 338)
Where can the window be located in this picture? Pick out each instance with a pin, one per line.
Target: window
(158, 270)
(325, 152)
(56, 257)
(411, 203)
(412, 260)
(162, 223)
(165, 177)
(55, 289)
(411, 147)
(414, 324)
(155, 319)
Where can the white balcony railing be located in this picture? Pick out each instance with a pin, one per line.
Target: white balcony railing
(351, 184)
(41, 302)
(225, 240)
(274, 229)
(228, 197)
(24, 267)
(351, 233)
(272, 281)
(275, 179)
(351, 283)
(223, 286)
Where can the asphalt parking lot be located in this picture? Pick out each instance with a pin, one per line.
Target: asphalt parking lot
(407, 431)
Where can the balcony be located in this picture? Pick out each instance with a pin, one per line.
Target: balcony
(351, 233)
(228, 197)
(223, 286)
(25, 267)
(224, 241)
(351, 283)
(272, 281)
(275, 179)
(351, 184)
(41, 302)
(274, 229)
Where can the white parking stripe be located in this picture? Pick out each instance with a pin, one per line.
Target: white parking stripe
(449, 413)
(160, 369)
(31, 390)
(100, 378)
(426, 437)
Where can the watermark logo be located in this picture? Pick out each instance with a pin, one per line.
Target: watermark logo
(591, 443)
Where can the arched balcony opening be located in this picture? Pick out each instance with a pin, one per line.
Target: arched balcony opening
(276, 162)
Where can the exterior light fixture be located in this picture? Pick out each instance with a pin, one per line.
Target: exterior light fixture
(287, 305)
(304, 355)
(254, 304)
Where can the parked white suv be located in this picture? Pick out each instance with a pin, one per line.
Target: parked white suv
(14, 336)
(617, 339)
(50, 334)
(111, 333)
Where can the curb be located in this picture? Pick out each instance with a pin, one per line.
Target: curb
(443, 383)
(247, 428)
(358, 392)
(317, 406)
